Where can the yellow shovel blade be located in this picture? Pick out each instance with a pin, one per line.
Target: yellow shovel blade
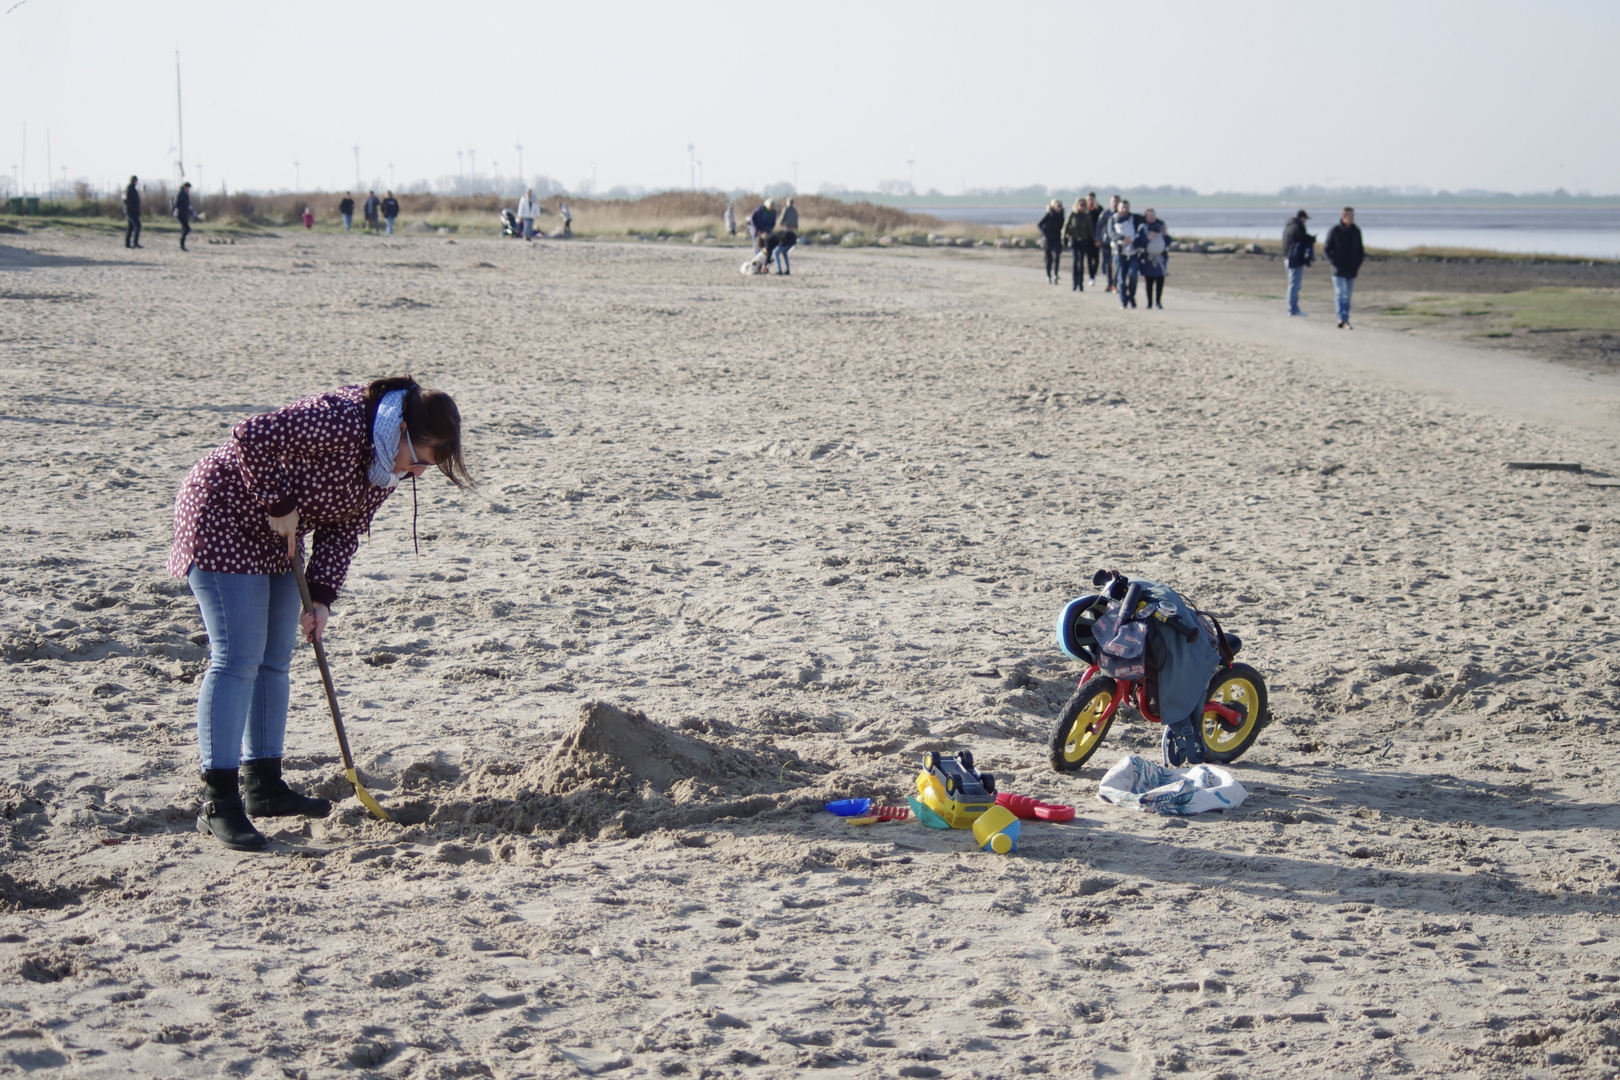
(365, 798)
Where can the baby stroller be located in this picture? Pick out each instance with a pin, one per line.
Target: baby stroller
(510, 225)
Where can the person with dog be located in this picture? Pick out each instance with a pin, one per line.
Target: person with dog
(786, 237)
(1077, 230)
(1345, 254)
(1051, 227)
(1299, 251)
(132, 214)
(320, 468)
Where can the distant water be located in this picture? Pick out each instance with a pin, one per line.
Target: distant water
(1584, 233)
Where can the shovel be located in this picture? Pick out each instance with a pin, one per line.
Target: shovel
(360, 791)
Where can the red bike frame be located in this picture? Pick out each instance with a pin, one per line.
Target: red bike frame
(1129, 686)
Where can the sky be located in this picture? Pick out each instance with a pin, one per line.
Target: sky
(1248, 95)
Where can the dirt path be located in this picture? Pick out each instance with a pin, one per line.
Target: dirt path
(810, 527)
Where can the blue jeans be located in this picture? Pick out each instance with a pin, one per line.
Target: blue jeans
(1296, 278)
(252, 623)
(348, 221)
(783, 266)
(1342, 288)
(1126, 268)
(390, 229)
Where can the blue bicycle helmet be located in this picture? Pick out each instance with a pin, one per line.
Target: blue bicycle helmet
(1074, 625)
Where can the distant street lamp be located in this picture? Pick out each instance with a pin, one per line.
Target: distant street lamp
(700, 174)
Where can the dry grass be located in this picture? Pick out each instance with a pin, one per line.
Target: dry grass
(670, 213)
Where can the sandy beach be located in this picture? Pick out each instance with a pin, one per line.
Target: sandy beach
(745, 545)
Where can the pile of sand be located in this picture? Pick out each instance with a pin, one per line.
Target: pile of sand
(617, 772)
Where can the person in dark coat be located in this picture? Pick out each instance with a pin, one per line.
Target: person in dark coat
(390, 211)
(1153, 245)
(761, 222)
(371, 206)
(346, 208)
(1078, 229)
(182, 212)
(1051, 226)
(1345, 254)
(1105, 218)
(1094, 212)
(1299, 249)
(132, 215)
(317, 469)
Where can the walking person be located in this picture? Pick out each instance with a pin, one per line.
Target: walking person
(390, 211)
(371, 207)
(1077, 230)
(1094, 212)
(319, 467)
(1153, 245)
(567, 216)
(528, 210)
(1051, 226)
(132, 214)
(1299, 251)
(1345, 254)
(1105, 243)
(182, 212)
(730, 220)
(1123, 227)
(346, 208)
(309, 217)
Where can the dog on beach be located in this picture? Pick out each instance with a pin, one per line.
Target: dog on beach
(759, 264)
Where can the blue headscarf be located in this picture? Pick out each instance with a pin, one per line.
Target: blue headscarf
(385, 439)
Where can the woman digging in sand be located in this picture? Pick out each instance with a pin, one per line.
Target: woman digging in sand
(321, 466)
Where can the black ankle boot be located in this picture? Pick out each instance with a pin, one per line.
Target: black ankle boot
(223, 815)
(267, 794)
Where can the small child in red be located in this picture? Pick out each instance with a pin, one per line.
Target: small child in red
(309, 218)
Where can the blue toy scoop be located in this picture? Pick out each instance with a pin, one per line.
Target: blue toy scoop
(849, 807)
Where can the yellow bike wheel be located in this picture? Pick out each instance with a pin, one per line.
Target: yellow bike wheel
(1242, 688)
(1082, 724)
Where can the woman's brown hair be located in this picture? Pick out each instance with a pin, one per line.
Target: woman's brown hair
(433, 420)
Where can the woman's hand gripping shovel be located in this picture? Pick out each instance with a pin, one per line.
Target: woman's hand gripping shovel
(360, 791)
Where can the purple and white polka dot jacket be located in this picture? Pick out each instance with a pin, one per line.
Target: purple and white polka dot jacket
(311, 456)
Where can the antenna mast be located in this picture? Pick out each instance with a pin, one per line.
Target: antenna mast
(179, 117)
